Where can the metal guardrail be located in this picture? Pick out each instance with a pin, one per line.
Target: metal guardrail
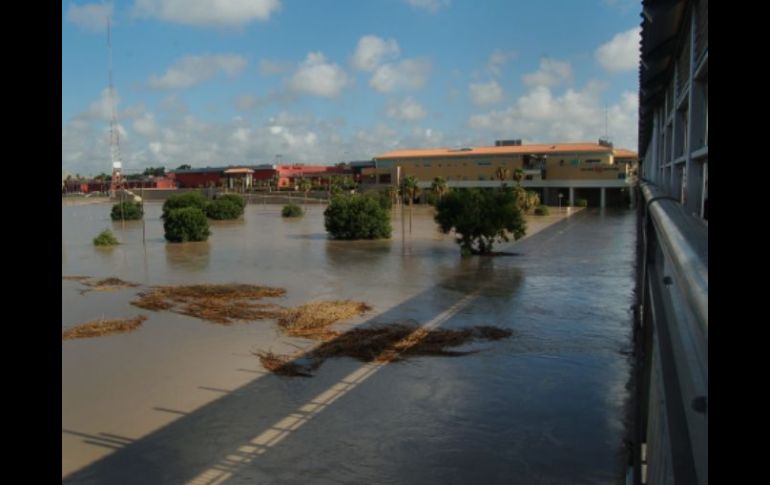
(671, 336)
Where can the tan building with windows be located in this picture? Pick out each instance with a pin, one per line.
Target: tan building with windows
(593, 171)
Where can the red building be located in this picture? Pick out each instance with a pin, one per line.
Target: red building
(284, 177)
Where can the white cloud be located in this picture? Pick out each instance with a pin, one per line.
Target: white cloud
(485, 93)
(218, 13)
(498, 59)
(551, 73)
(91, 16)
(269, 68)
(316, 77)
(191, 70)
(407, 74)
(101, 108)
(432, 6)
(622, 52)
(373, 51)
(246, 102)
(408, 110)
(145, 125)
(575, 115)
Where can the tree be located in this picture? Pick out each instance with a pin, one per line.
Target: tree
(292, 210)
(184, 167)
(502, 173)
(127, 211)
(226, 206)
(518, 175)
(480, 218)
(187, 199)
(155, 172)
(186, 224)
(439, 186)
(356, 216)
(305, 185)
(411, 188)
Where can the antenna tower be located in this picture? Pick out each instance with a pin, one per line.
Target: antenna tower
(117, 165)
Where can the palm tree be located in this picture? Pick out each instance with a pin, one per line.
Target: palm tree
(439, 186)
(411, 189)
(503, 173)
(518, 175)
(305, 186)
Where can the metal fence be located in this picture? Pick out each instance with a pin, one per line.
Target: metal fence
(671, 335)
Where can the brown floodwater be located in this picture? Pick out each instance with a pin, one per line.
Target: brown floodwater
(183, 400)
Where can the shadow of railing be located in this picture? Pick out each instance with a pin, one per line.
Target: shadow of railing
(212, 443)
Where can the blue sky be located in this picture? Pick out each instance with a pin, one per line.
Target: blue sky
(318, 82)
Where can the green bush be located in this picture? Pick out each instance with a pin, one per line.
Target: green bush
(186, 224)
(221, 209)
(581, 203)
(106, 238)
(234, 198)
(356, 216)
(382, 197)
(542, 210)
(430, 198)
(128, 211)
(292, 210)
(187, 199)
(481, 217)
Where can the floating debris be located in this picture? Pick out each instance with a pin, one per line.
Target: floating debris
(312, 319)
(108, 284)
(219, 311)
(105, 284)
(384, 343)
(221, 303)
(282, 365)
(101, 327)
(75, 278)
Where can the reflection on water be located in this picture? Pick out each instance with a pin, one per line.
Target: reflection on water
(545, 406)
(189, 256)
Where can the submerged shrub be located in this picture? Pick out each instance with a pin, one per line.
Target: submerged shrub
(186, 224)
(383, 197)
(357, 216)
(106, 238)
(292, 210)
(480, 218)
(542, 210)
(233, 198)
(129, 211)
(221, 209)
(187, 199)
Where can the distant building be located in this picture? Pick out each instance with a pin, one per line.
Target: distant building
(597, 172)
(249, 177)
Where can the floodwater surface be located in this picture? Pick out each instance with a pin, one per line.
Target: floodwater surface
(182, 400)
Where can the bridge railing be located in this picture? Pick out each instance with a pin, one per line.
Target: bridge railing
(671, 334)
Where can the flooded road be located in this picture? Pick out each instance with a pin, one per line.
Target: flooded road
(182, 400)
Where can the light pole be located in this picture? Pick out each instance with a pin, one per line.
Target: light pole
(560, 197)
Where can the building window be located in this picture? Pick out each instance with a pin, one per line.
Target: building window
(385, 178)
(593, 160)
(480, 162)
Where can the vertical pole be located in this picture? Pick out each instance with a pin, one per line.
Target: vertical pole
(144, 239)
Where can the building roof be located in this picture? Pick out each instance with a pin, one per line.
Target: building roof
(623, 153)
(501, 150)
(238, 170)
